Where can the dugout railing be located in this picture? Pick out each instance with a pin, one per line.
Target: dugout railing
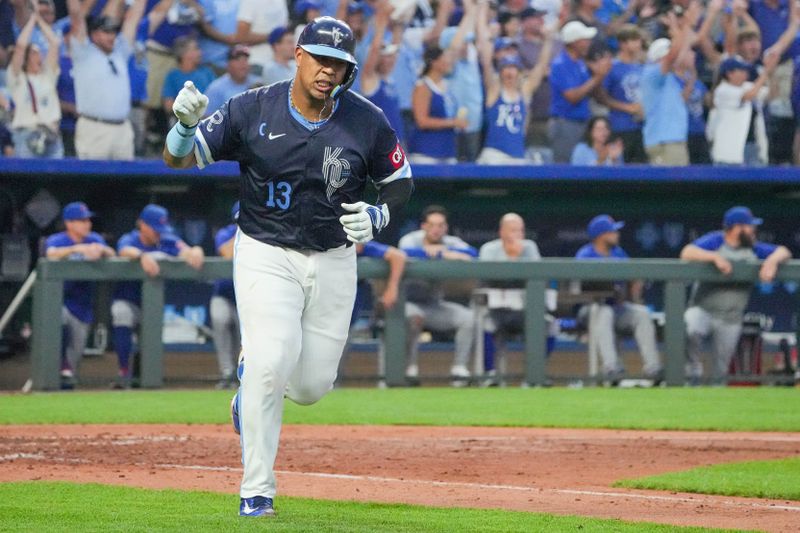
(676, 276)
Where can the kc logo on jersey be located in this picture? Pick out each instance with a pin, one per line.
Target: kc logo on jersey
(335, 170)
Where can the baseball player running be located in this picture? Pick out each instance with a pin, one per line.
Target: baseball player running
(305, 148)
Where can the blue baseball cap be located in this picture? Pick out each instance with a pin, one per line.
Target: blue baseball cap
(156, 217)
(603, 224)
(76, 211)
(740, 215)
(732, 63)
(510, 61)
(277, 34)
(302, 6)
(235, 211)
(501, 43)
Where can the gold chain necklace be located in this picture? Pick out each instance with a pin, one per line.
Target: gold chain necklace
(319, 117)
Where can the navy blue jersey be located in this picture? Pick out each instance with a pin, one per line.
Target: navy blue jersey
(294, 179)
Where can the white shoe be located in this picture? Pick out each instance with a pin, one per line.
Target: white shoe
(412, 371)
(459, 371)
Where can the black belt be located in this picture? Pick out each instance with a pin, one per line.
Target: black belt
(103, 120)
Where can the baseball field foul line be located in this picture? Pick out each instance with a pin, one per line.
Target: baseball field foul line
(460, 484)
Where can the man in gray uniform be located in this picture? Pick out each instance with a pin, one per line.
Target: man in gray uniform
(716, 309)
(426, 306)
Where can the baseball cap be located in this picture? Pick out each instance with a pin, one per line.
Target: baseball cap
(501, 43)
(156, 217)
(603, 224)
(531, 12)
(504, 16)
(449, 33)
(76, 211)
(355, 7)
(740, 215)
(302, 6)
(510, 61)
(235, 211)
(104, 23)
(238, 51)
(732, 63)
(658, 49)
(575, 31)
(277, 34)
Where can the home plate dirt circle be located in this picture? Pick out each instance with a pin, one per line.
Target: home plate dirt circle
(559, 471)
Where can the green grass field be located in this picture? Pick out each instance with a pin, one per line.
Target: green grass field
(41, 507)
(715, 409)
(758, 479)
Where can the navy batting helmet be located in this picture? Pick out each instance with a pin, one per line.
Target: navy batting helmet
(327, 36)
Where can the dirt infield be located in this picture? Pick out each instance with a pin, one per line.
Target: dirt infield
(558, 471)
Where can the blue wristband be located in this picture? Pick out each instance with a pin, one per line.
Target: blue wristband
(180, 140)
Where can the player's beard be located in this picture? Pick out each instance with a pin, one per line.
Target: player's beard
(746, 240)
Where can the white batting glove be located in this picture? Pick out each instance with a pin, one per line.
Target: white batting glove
(365, 221)
(190, 105)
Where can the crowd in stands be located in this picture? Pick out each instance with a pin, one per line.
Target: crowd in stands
(591, 82)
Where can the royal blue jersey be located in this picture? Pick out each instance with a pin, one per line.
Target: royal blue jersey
(385, 97)
(224, 287)
(169, 245)
(439, 143)
(505, 126)
(588, 251)
(622, 84)
(295, 176)
(77, 294)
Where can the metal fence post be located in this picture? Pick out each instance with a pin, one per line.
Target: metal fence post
(535, 332)
(394, 338)
(48, 297)
(151, 347)
(674, 332)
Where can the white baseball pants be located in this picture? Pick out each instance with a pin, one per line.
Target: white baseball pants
(294, 310)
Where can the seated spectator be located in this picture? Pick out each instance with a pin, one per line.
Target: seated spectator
(737, 127)
(154, 239)
(506, 300)
(508, 92)
(666, 117)
(617, 312)
(426, 307)
(32, 82)
(716, 310)
(222, 309)
(236, 80)
(377, 84)
(190, 68)
(77, 243)
(598, 147)
(573, 80)
(282, 65)
(435, 120)
(100, 51)
(624, 96)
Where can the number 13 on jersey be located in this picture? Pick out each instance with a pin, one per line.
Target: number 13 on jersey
(279, 195)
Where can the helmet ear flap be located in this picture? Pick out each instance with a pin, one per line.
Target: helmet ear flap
(349, 79)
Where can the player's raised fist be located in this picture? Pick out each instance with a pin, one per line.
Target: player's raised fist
(190, 105)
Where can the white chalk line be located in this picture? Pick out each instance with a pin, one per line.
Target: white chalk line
(701, 498)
